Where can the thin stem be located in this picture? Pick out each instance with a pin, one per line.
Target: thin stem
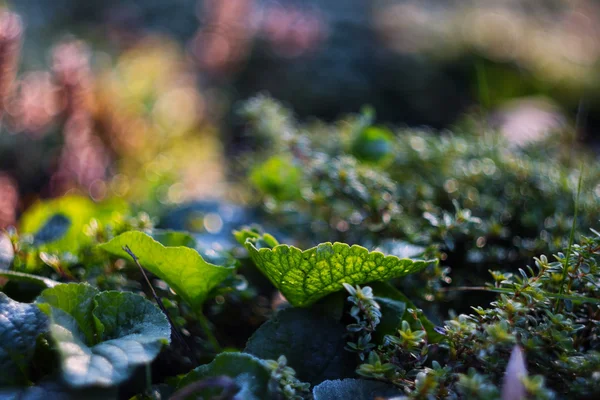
(205, 324)
(482, 84)
(574, 299)
(571, 238)
(148, 379)
(161, 305)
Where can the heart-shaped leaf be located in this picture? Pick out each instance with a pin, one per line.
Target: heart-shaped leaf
(20, 325)
(182, 268)
(102, 337)
(305, 276)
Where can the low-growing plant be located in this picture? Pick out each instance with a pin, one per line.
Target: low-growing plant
(386, 235)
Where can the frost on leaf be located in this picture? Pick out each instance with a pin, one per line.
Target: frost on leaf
(304, 276)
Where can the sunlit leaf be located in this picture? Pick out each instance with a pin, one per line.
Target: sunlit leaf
(102, 337)
(182, 268)
(57, 225)
(305, 276)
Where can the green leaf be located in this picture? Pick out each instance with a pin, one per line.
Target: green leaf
(57, 225)
(182, 268)
(356, 389)
(102, 337)
(392, 312)
(278, 177)
(313, 344)
(390, 295)
(305, 276)
(77, 300)
(373, 144)
(29, 278)
(248, 372)
(171, 238)
(20, 325)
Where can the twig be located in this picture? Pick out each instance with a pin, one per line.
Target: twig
(160, 304)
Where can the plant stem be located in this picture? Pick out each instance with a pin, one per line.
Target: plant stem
(148, 379)
(558, 296)
(161, 305)
(205, 324)
(571, 238)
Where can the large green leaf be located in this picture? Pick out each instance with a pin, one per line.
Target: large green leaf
(356, 389)
(102, 337)
(313, 344)
(57, 225)
(248, 372)
(77, 300)
(20, 325)
(305, 276)
(182, 268)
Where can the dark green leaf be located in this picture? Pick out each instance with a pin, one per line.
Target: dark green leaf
(248, 372)
(312, 342)
(102, 337)
(391, 294)
(20, 325)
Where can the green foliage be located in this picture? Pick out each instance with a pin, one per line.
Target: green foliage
(306, 276)
(20, 326)
(278, 177)
(249, 374)
(312, 343)
(468, 196)
(382, 204)
(102, 337)
(182, 268)
(373, 145)
(56, 225)
(285, 377)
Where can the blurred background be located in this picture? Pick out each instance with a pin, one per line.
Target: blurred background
(138, 98)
